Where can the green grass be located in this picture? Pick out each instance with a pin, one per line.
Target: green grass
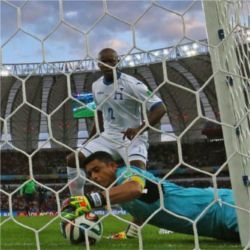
(16, 237)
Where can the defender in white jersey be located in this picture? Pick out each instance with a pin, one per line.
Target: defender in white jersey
(119, 109)
(120, 119)
(120, 112)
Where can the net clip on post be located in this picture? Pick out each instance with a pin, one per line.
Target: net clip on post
(221, 34)
(246, 180)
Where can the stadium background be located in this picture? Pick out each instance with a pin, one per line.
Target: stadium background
(202, 144)
(35, 99)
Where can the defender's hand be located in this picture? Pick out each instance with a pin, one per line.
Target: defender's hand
(130, 133)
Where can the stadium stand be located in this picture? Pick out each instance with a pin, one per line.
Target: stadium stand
(202, 146)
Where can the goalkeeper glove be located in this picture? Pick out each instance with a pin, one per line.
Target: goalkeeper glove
(132, 231)
(83, 204)
(68, 213)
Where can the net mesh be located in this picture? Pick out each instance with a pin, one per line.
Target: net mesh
(47, 122)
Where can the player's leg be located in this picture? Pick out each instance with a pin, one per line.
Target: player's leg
(130, 232)
(230, 229)
(138, 163)
(138, 153)
(76, 185)
(28, 200)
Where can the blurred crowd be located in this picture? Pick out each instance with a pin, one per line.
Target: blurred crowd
(198, 155)
(43, 200)
(161, 156)
(46, 161)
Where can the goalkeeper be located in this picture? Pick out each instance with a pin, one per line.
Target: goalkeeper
(138, 192)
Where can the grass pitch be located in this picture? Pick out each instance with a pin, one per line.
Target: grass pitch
(16, 237)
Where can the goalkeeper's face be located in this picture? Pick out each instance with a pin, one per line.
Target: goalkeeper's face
(101, 172)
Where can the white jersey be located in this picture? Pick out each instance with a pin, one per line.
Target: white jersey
(121, 104)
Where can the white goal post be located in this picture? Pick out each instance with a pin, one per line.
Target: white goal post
(230, 56)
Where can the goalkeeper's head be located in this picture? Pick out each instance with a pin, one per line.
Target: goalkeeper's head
(100, 167)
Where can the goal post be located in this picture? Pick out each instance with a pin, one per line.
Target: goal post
(231, 84)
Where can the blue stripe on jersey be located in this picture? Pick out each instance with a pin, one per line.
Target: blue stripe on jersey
(88, 150)
(156, 105)
(138, 155)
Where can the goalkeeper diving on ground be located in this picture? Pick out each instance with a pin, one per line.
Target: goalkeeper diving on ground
(138, 192)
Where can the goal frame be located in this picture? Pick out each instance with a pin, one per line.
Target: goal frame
(239, 164)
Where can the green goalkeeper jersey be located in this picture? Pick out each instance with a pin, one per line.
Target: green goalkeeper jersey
(180, 206)
(29, 188)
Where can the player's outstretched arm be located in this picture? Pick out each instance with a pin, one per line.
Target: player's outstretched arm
(83, 204)
(125, 192)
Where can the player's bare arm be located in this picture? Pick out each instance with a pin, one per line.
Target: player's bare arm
(154, 116)
(103, 173)
(122, 193)
(125, 192)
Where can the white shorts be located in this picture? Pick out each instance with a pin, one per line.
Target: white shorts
(135, 150)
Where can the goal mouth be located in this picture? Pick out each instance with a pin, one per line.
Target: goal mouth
(198, 66)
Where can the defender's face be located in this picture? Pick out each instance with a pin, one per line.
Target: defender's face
(109, 58)
(101, 172)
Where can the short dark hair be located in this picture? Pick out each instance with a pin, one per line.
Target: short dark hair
(99, 155)
(105, 50)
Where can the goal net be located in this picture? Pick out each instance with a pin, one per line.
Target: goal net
(228, 37)
(194, 55)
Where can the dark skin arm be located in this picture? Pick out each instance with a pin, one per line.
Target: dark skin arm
(125, 192)
(154, 116)
(71, 161)
(117, 195)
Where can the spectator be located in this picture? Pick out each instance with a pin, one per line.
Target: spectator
(28, 191)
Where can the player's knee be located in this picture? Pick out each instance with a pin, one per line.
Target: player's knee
(72, 157)
(139, 164)
(71, 160)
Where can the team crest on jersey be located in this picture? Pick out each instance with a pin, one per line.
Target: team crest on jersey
(118, 94)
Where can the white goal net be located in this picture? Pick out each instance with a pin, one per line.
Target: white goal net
(194, 55)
